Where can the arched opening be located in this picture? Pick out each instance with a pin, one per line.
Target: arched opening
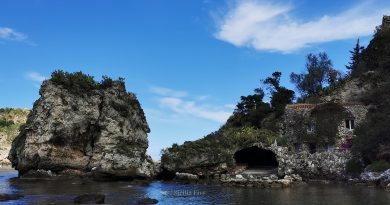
(256, 158)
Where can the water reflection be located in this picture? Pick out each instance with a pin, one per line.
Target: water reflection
(63, 192)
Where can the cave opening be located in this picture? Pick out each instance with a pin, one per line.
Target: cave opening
(256, 158)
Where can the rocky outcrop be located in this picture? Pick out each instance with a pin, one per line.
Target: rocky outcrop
(351, 91)
(262, 181)
(381, 179)
(101, 131)
(11, 120)
(186, 176)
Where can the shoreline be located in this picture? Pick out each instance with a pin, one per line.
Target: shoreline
(265, 182)
(7, 168)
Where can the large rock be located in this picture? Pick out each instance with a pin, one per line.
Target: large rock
(380, 178)
(102, 131)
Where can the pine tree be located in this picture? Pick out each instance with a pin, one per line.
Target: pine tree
(356, 56)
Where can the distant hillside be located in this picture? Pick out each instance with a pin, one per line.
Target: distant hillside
(11, 119)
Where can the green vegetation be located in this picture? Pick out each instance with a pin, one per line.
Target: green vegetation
(356, 56)
(253, 121)
(5, 123)
(372, 142)
(280, 96)
(319, 74)
(373, 136)
(378, 166)
(354, 167)
(11, 121)
(80, 83)
(215, 146)
(375, 130)
(252, 111)
(324, 120)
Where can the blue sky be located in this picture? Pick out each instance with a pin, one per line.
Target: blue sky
(187, 61)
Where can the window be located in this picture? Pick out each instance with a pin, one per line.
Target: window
(350, 124)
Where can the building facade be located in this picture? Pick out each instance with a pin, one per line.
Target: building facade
(323, 126)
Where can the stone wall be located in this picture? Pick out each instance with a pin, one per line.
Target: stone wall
(299, 115)
(320, 165)
(359, 113)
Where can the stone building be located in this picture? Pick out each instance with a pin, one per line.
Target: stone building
(309, 126)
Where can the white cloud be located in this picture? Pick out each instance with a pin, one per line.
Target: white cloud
(176, 103)
(34, 76)
(191, 108)
(202, 98)
(167, 92)
(230, 106)
(11, 34)
(271, 27)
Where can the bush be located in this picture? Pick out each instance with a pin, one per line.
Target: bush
(378, 166)
(106, 82)
(5, 123)
(76, 82)
(11, 121)
(354, 167)
(80, 83)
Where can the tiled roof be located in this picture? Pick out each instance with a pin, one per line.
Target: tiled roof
(302, 106)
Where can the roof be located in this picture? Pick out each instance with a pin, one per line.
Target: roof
(301, 106)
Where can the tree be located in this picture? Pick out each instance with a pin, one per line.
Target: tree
(280, 96)
(320, 73)
(250, 102)
(356, 56)
(250, 111)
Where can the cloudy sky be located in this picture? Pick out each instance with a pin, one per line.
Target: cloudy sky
(187, 61)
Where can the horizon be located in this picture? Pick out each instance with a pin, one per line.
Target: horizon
(188, 63)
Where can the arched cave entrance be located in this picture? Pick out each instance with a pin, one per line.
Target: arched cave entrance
(256, 158)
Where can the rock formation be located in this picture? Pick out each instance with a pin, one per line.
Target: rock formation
(99, 130)
(11, 120)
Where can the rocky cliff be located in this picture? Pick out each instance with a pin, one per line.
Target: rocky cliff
(11, 120)
(80, 129)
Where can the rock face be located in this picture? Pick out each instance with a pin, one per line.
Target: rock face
(102, 132)
(352, 91)
(381, 179)
(11, 119)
